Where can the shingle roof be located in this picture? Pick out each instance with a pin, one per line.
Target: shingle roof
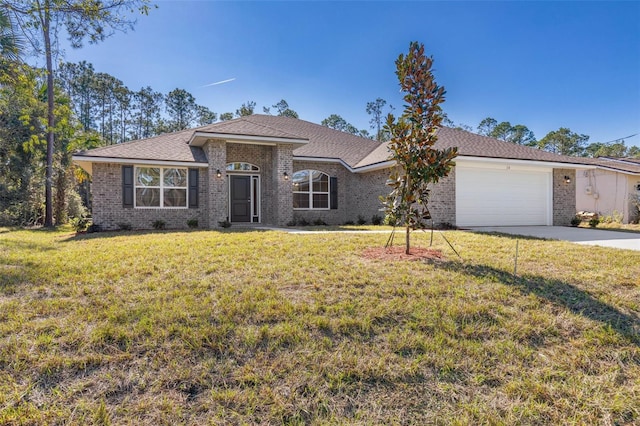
(473, 145)
(167, 147)
(251, 126)
(628, 165)
(324, 142)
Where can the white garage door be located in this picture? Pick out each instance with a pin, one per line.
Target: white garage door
(502, 195)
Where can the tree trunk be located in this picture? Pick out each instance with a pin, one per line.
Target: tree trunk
(61, 195)
(407, 238)
(407, 242)
(48, 215)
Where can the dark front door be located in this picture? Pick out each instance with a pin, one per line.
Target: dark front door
(240, 198)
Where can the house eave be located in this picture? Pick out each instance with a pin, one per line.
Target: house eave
(200, 138)
(538, 163)
(86, 161)
(613, 169)
(363, 169)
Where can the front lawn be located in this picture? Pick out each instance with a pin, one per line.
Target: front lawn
(615, 226)
(263, 327)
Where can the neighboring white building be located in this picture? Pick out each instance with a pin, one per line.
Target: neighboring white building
(608, 189)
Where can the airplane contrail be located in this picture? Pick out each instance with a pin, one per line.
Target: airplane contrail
(219, 82)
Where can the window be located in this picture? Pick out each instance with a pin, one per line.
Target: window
(242, 167)
(161, 187)
(310, 190)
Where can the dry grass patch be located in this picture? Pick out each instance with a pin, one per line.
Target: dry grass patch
(250, 327)
(396, 253)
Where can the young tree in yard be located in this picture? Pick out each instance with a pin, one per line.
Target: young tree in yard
(42, 20)
(412, 137)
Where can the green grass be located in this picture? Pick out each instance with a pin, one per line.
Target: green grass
(248, 327)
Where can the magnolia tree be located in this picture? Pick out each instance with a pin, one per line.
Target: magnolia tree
(412, 139)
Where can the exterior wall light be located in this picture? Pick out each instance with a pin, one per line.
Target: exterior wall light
(218, 173)
(567, 179)
(285, 175)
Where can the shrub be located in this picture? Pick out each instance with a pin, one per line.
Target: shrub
(224, 224)
(319, 222)
(158, 224)
(376, 219)
(192, 223)
(635, 201)
(349, 222)
(124, 226)
(361, 220)
(75, 208)
(446, 226)
(594, 221)
(80, 223)
(575, 221)
(94, 227)
(303, 222)
(292, 222)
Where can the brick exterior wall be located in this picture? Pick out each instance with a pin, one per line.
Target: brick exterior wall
(282, 198)
(364, 191)
(442, 204)
(358, 193)
(107, 207)
(564, 197)
(345, 178)
(217, 186)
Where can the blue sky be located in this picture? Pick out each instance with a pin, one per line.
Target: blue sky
(542, 64)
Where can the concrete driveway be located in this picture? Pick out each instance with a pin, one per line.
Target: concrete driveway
(594, 237)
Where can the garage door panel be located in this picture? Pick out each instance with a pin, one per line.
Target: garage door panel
(490, 197)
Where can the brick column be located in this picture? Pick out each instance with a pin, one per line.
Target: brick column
(564, 197)
(218, 193)
(282, 161)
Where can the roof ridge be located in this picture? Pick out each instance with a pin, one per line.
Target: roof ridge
(271, 127)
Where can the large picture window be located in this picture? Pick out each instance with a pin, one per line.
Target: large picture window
(161, 187)
(310, 190)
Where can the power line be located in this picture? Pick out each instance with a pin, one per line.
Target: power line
(622, 139)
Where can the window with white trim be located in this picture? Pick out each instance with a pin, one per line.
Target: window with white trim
(242, 167)
(310, 190)
(160, 187)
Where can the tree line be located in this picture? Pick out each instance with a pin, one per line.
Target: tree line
(47, 114)
(562, 141)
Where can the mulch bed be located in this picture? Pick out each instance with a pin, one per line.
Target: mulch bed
(398, 253)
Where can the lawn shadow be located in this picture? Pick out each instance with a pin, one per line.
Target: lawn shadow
(510, 236)
(560, 293)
